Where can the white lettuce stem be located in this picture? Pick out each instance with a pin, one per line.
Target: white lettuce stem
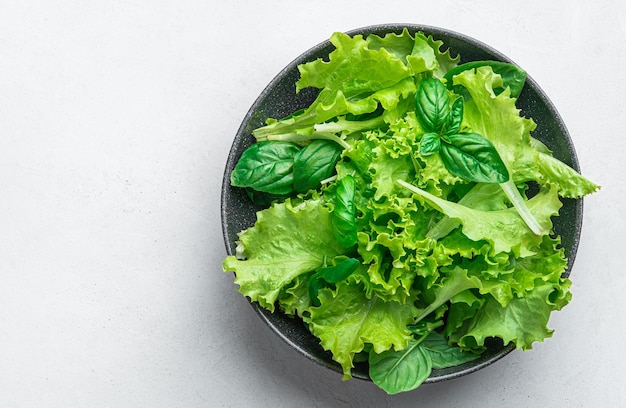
(511, 191)
(349, 126)
(513, 194)
(331, 136)
(442, 228)
(298, 138)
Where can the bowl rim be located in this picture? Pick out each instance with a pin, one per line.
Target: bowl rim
(378, 29)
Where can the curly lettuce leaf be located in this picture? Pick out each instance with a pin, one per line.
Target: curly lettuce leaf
(390, 273)
(503, 229)
(347, 319)
(294, 298)
(386, 167)
(453, 284)
(353, 68)
(285, 242)
(335, 103)
(497, 118)
(421, 54)
(359, 76)
(522, 321)
(445, 61)
(571, 184)
(508, 285)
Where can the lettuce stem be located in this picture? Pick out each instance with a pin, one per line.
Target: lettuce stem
(442, 228)
(519, 203)
(299, 138)
(349, 126)
(331, 136)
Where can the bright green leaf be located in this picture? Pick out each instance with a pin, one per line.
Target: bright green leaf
(285, 241)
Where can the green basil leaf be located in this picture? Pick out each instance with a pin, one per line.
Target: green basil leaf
(513, 76)
(432, 104)
(400, 371)
(339, 272)
(315, 284)
(429, 144)
(455, 117)
(443, 355)
(266, 167)
(314, 163)
(344, 212)
(473, 157)
(330, 275)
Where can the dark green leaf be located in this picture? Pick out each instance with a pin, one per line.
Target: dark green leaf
(472, 157)
(263, 199)
(339, 272)
(361, 357)
(400, 371)
(429, 144)
(443, 355)
(315, 284)
(432, 104)
(266, 167)
(330, 275)
(455, 117)
(344, 212)
(314, 163)
(513, 76)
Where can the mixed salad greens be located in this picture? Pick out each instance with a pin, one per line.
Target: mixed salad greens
(409, 210)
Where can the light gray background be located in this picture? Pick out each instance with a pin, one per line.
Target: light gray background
(116, 118)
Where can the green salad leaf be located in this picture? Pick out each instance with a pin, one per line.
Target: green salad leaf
(343, 212)
(401, 371)
(472, 157)
(513, 77)
(266, 167)
(328, 275)
(504, 229)
(432, 105)
(409, 210)
(314, 163)
(286, 241)
(442, 355)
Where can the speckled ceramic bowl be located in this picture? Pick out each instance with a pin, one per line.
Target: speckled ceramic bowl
(278, 99)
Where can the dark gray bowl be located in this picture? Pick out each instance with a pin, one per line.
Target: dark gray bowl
(278, 99)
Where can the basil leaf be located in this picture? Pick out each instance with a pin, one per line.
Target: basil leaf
(314, 163)
(330, 275)
(432, 104)
(400, 371)
(315, 284)
(266, 167)
(513, 76)
(443, 355)
(455, 118)
(339, 272)
(472, 157)
(429, 144)
(343, 214)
